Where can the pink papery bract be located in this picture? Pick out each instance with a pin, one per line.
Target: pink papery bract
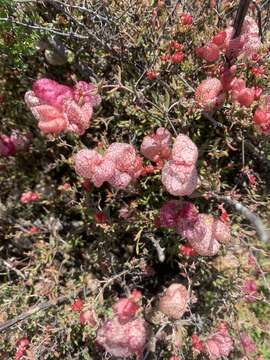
(241, 94)
(184, 151)
(209, 94)
(119, 166)
(86, 93)
(61, 108)
(202, 236)
(218, 345)
(174, 301)
(86, 162)
(261, 116)
(168, 213)
(123, 340)
(157, 146)
(125, 309)
(179, 180)
(209, 52)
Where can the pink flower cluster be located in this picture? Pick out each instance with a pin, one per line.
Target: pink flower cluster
(10, 145)
(118, 166)
(22, 345)
(218, 344)
(247, 343)
(202, 231)
(261, 116)
(179, 174)
(62, 108)
(210, 94)
(124, 335)
(246, 45)
(157, 147)
(29, 196)
(174, 301)
(249, 288)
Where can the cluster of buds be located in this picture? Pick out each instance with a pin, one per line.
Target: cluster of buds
(125, 334)
(211, 92)
(175, 54)
(118, 166)
(16, 142)
(217, 345)
(203, 232)
(173, 303)
(246, 45)
(61, 108)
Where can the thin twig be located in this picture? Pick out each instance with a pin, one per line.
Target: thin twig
(45, 29)
(33, 310)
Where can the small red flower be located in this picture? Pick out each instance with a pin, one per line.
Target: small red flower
(257, 92)
(77, 305)
(100, 217)
(197, 344)
(219, 38)
(148, 170)
(187, 250)
(151, 75)
(174, 357)
(21, 347)
(224, 217)
(34, 230)
(135, 295)
(186, 19)
(178, 57)
(29, 196)
(176, 45)
(87, 317)
(165, 57)
(257, 71)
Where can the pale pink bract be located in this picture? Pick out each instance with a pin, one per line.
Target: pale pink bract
(123, 340)
(125, 309)
(157, 146)
(61, 108)
(179, 174)
(184, 151)
(218, 345)
(241, 94)
(119, 166)
(179, 180)
(261, 118)
(174, 301)
(210, 94)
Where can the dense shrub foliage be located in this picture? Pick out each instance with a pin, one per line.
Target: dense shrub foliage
(135, 159)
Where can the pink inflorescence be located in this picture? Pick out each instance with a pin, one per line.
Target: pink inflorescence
(245, 45)
(62, 108)
(261, 116)
(218, 345)
(210, 94)
(242, 94)
(174, 301)
(203, 232)
(124, 335)
(16, 142)
(118, 166)
(179, 174)
(157, 147)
